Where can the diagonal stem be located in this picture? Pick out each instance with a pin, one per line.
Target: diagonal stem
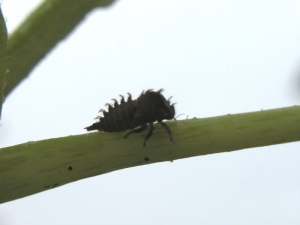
(51, 22)
(3, 58)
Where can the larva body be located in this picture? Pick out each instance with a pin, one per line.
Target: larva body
(148, 108)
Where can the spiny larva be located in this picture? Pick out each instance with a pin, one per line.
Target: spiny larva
(149, 107)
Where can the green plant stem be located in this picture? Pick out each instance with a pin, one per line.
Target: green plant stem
(3, 58)
(52, 21)
(33, 167)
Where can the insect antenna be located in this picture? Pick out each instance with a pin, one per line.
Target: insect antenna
(175, 118)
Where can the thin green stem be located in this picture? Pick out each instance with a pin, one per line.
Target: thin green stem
(3, 58)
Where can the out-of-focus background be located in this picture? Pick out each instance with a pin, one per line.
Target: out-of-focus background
(214, 58)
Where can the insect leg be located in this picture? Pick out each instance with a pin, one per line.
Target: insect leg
(149, 133)
(167, 129)
(143, 127)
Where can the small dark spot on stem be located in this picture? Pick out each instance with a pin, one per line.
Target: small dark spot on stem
(55, 185)
(70, 168)
(146, 159)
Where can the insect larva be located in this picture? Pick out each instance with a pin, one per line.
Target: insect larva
(148, 108)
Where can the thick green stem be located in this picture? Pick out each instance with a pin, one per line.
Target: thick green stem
(52, 21)
(33, 167)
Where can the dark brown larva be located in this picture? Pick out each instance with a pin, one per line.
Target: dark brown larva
(148, 108)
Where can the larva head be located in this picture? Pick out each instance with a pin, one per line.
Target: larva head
(168, 112)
